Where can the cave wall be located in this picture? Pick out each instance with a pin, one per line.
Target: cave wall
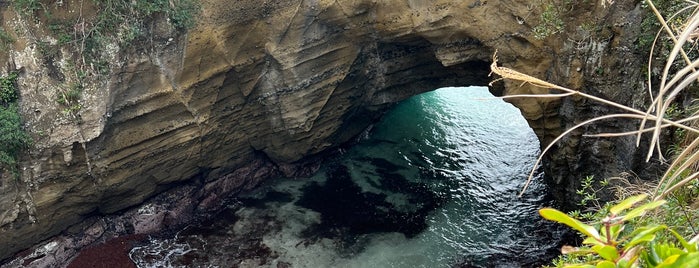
(256, 89)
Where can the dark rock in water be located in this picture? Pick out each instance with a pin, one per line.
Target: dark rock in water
(377, 141)
(383, 164)
(347, 210)
(278, 197)
(271, 196)
(212, 227)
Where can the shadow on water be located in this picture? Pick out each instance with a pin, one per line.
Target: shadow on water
(347, 211)
(264, 202)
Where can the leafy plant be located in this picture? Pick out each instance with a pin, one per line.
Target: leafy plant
(609, 243)
(27, 6)
(588, 191)
(12, 138)
(8, 91)
(182, 16)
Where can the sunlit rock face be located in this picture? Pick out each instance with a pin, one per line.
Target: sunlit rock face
(258, 87)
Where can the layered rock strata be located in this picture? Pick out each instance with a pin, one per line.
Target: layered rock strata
(258, 87)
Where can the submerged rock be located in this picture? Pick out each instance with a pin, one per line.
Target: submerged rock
(347, 210)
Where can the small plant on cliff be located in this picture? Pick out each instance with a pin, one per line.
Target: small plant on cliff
(70, 99)
(588, 191)
(124, 22)
(13, 138)
(5, 39)
(89, 35)
(8, 89)
(91, 39)
(550, 22)
(27, 6)
(182, 16)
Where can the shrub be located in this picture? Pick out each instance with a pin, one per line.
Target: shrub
(8, 91)
(616, 241)
(27, 6)
(182, 16)
(550, 22)
(12, 138)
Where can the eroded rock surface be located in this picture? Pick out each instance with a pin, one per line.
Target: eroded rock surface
(257, 87)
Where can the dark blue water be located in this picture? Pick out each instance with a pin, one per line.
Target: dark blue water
(434, 184)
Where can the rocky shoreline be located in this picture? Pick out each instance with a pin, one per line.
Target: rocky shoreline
(105, 241)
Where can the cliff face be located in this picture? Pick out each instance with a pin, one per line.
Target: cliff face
(258, 87)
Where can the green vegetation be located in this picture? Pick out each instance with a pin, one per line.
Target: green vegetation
(672, 10)
(550, 22)
(664, 231)
(13, 139)
(618, 236)
(27, 6)
(5, 39)
(88, 42)
(70, 99)
(91, 42)
(127, 18)
(122, 22)
(617, 240)
(588, 193)
(662, 18)
(8, 90)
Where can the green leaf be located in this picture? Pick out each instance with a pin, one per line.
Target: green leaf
(606, 252)
(681, 261)
(624, 263)
(643, 235)
(667, 250)
(605, 264)
(579, 266)
(669, 261)
(627, 203)
(592, 241)
(640, 239)
(557, 216)
(652, 258)
(642, 209)
(689, 247)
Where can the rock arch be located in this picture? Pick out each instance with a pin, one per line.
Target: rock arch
(256, 88)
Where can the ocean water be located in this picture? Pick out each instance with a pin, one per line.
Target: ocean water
(433, 184)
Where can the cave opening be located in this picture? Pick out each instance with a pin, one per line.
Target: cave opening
(435, 181)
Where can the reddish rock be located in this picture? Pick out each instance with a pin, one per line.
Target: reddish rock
(111, 254)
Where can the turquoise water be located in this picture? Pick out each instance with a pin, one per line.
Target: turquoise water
(433, 184)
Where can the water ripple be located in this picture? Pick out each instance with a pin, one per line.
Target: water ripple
(434, 185)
